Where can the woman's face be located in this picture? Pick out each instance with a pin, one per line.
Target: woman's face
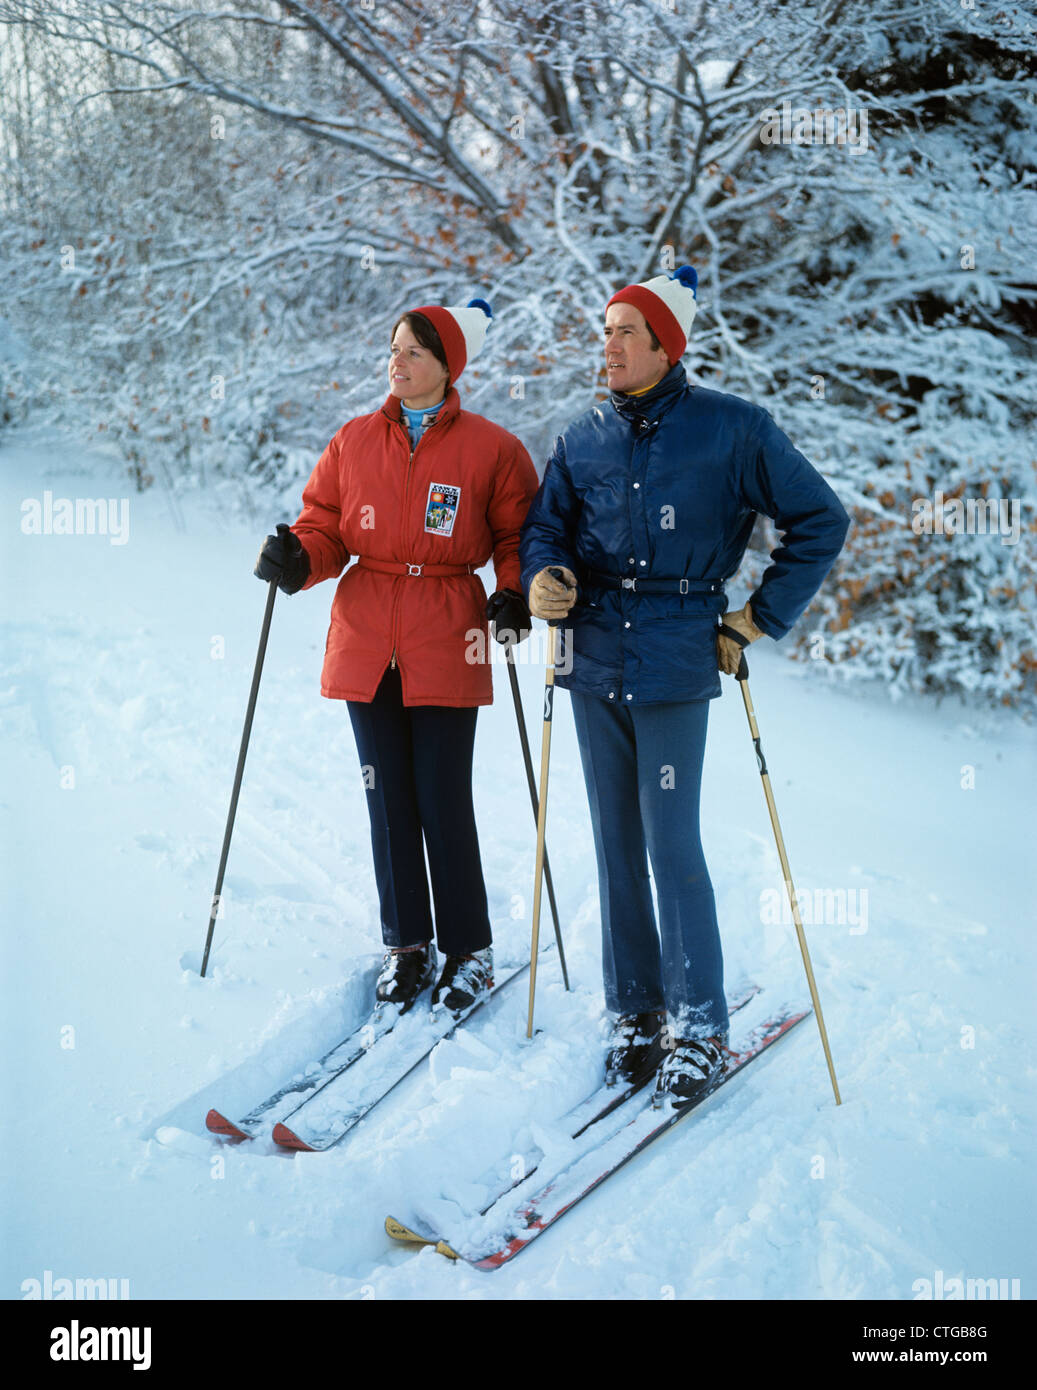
(415, 374)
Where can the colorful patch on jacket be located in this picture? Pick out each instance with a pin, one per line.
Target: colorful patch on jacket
(441, 508)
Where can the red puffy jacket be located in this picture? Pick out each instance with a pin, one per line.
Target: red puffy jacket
(461, 496)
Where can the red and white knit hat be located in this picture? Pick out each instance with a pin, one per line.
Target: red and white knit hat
(461, 331)
(668, 303)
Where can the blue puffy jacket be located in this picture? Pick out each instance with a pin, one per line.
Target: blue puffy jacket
(667, 486)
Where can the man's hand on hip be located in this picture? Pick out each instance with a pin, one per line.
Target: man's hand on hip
(729, 653)
(548, 598)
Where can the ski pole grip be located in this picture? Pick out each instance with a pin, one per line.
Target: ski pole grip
(556, 573)
(742, 674)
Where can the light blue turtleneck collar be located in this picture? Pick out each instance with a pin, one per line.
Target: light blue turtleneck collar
(418, 419)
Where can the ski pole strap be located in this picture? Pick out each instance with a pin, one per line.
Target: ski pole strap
(742, 673)
(655, 586)
(430, 571)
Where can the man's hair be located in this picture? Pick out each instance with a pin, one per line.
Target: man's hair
(425, 332)
(656, 345)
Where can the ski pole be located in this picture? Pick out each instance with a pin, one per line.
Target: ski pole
(528, 760)
(742, 677)
(545, 758)
(253, 693)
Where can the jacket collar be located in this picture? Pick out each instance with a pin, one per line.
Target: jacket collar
(451, 406)
(653, 403)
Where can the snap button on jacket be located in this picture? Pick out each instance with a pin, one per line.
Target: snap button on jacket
(458, 499)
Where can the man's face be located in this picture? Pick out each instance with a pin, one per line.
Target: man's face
(631, 362)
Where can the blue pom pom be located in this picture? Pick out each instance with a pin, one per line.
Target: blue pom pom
(688, 276)
(480, 304)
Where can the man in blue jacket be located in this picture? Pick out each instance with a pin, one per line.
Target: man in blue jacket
(646, 507)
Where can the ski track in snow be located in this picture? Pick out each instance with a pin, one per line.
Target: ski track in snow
(770, 1192)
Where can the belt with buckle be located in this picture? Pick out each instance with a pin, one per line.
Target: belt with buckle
(655, 585)
(430, 571)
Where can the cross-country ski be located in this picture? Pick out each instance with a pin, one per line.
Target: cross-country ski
(520, 1224)
(324, 1117)
(337, 1091)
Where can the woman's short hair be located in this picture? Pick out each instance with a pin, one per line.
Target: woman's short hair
(426, 335)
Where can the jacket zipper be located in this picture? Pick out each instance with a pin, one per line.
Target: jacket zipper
(392, 625)
(406, 490)
(403, 522)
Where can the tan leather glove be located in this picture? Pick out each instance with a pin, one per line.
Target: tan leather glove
(548, 598)
(729, 653)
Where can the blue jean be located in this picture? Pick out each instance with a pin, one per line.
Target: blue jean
(643, 768)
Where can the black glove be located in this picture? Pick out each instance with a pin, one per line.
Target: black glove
(509, 612)
(284, 559)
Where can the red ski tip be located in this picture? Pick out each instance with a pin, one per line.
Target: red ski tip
(284, 1136)
(219, 1124)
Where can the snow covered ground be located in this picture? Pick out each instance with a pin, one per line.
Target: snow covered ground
(125, 672)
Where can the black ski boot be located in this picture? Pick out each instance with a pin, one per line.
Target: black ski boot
(465, 981)
(405, 974)
(636, 1047)
(690, 1070)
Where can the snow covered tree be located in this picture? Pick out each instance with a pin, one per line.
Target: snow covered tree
(252, 192)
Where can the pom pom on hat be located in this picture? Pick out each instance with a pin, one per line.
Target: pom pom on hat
(669, 305)
(461, 330)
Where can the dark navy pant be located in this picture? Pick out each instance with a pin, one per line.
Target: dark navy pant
(643, 768)
(417, 766)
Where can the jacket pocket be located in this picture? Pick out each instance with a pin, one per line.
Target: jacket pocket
(681, 608)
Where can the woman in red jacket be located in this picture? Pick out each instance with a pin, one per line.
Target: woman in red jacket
(420, 493)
